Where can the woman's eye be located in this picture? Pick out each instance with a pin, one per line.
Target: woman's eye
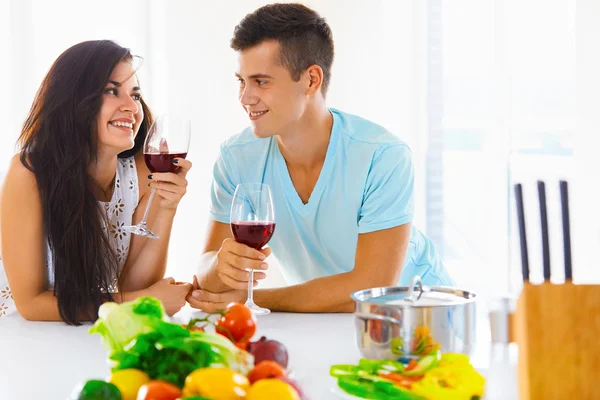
(112, 91)
(260, 83)
(136, 96)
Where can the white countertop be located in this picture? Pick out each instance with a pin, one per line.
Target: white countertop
(45, 360)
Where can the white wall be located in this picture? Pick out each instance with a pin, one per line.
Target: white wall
(34, 33)
(188, 66)
(374, 75)
(5, 70)
(379, 72)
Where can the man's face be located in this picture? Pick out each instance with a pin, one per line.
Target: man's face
(268, 94)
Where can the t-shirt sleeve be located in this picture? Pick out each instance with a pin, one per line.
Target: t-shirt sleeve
(222, 188)
(389, 191)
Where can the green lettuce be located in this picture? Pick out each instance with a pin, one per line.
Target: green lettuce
(137, 335)
(119, 324)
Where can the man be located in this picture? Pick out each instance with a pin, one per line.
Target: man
(342, 186)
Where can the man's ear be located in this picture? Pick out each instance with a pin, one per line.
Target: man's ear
(314, 74)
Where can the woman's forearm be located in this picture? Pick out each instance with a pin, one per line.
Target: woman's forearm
(150, 265)
(44, 307)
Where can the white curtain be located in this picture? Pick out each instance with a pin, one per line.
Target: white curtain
(509, 111)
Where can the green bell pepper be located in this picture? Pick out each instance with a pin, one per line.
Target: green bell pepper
(374, 366)
(97, 390)
(425, 364)
(343, 370)
(195, 398)
(374, 390)
(421, 345)
(392, 366)
(397, 346)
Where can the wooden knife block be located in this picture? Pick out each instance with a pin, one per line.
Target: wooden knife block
(558, 334)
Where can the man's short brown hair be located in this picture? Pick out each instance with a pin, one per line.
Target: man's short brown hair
(304, 37)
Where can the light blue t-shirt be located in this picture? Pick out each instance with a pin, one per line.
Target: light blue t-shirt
(366, 184)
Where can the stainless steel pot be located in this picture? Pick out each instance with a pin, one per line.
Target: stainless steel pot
(409, 322)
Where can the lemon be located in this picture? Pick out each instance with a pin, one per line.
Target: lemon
(268, 389)
(216, 383)
(129, 382)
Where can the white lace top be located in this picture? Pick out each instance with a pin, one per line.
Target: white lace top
(119, 211)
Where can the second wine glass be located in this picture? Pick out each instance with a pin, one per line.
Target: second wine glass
(253, 224)
(167, 138)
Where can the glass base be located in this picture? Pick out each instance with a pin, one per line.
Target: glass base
(256, 310)
(141, 230)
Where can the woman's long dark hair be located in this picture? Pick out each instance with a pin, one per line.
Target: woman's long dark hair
(58, 144)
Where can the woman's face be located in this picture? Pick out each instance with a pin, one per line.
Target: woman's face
(121, 112)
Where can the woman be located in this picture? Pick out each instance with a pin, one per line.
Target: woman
(77, 181)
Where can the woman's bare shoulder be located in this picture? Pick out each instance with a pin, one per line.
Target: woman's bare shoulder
(19, 175)
(19, 196)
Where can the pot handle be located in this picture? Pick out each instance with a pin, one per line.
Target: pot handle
(412, 296)
(378, 317)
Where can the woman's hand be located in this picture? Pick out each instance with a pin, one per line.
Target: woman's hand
(171, 186)
(212, 302)
(170, 293)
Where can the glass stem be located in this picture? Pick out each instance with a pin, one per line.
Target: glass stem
(251, 287)
(143, 221)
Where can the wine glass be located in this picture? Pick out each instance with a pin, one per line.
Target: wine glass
(168, 138)
(253, 223)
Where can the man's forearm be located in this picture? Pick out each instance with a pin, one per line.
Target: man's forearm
(327, 294)
(378, 262)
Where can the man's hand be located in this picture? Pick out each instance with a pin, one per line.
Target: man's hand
(211, 302)
(233, 260)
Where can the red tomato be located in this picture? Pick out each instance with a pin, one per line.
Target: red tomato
(242, 345)
(238, 324)
(158, 390)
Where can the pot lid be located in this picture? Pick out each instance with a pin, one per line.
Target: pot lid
(415, 295)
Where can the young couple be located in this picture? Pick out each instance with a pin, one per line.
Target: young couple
(342, 187)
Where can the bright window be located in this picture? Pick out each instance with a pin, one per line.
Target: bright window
(508, 91)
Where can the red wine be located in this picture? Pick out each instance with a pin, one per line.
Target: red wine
(254, 234)
(162, 162)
